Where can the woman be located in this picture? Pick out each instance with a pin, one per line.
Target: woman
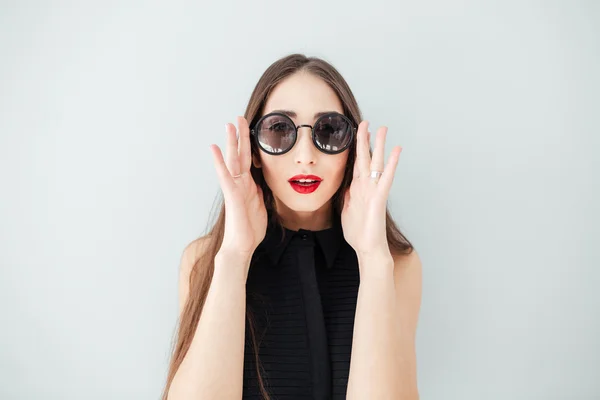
(271, 305)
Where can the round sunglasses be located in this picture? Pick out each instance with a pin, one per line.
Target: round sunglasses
(276, 133)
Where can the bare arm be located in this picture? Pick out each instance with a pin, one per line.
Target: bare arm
(213, 365)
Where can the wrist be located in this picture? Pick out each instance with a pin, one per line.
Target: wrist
(231, 266)
(375, 265)
(375, 257)
(234, 255)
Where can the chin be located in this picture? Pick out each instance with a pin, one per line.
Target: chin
(302, 205)
(302, 202)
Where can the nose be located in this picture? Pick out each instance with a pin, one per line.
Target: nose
(305, 151)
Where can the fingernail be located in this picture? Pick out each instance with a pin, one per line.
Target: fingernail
(226, 127)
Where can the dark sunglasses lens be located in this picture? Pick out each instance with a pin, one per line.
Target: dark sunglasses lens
(333, 133)
(276, 134)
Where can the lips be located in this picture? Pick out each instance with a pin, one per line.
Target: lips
(305, 184)
(304, 188)
(305, 177)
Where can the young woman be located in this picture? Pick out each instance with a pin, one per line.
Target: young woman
(304, 288)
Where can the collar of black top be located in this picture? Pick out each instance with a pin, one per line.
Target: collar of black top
(329, 240)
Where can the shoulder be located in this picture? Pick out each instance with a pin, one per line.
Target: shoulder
(408, 286)
(192, 253)
(405, 261)
(408, 278)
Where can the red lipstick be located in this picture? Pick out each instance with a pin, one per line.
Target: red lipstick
(310, 184)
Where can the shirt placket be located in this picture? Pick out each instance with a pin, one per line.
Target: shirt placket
(315, 321)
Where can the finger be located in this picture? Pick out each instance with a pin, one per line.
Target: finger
(385, 182)
(363, 159)
(232, 160)
(244, 144)
(225, 179)
(379, 152)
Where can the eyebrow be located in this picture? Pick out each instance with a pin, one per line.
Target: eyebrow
(292, 114)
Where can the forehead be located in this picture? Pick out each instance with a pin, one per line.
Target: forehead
(305, 94)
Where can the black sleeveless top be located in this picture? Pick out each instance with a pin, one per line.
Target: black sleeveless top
(302, 293)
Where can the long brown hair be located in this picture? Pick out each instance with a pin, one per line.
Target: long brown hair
(202, 271)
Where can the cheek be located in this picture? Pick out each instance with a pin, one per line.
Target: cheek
(338, 168)
(272, 171)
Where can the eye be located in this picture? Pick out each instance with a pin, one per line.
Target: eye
(280, 127)
(327, 128)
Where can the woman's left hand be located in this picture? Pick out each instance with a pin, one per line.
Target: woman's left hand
(363, 217)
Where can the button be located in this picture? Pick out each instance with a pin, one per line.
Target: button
(304, 236)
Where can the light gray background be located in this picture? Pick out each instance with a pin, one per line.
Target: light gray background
(106, 115)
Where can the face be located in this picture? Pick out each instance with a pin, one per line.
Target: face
(304, 95)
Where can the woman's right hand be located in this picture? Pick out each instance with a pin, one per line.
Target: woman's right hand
(245, 212)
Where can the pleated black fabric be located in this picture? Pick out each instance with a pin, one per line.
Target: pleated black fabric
(302, 292)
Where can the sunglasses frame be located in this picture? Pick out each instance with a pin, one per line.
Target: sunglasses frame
(312, 129)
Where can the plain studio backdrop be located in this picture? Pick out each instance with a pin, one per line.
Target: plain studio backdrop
(106, 115)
